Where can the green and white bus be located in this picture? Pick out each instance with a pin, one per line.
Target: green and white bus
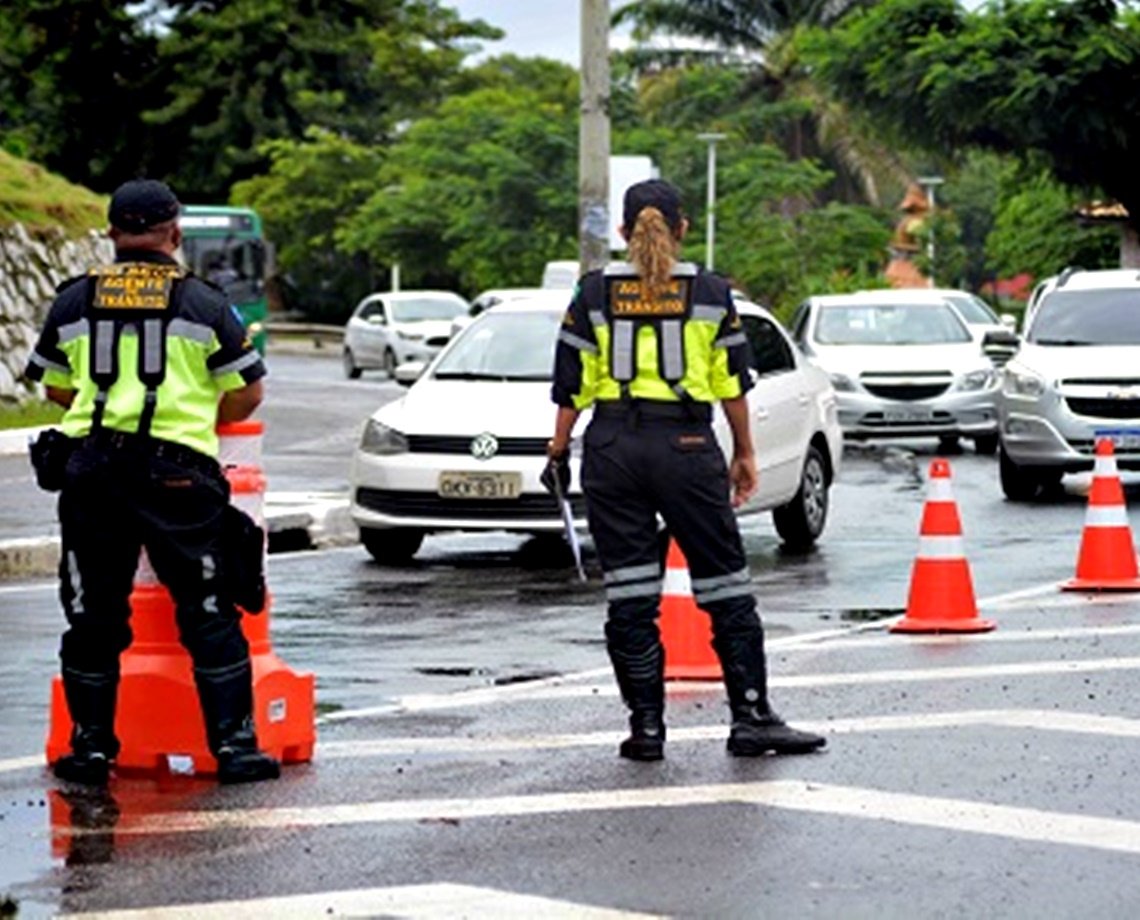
(225, 245)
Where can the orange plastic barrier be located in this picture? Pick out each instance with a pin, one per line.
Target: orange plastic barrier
(158, 719)
(686, 631)
(941, 590)
(1107, 557)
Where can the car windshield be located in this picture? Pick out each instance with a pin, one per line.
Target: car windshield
(421, 308)
(1108, 316)
(889, 324)
(503, 346)
(974, 309)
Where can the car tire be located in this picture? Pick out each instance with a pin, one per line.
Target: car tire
(351, 371)
(948, 444)
(986, 444)
(801, 521)
(1023, 483)
(391, 546)
(390, 363)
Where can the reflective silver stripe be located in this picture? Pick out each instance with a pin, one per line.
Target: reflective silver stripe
(684, 270)
(735, 338)
(597, 318)
(576, 341)
(739, 577)
(1106, 516)
(680, 269)
(246, 360)
(709, 312)
(75, 330)
(196, 332)
(104, 345)
(677, 583)
(40, 361)
(643, 589)
(632, 573)
(708, 597)
(623, 350)
(941, 548)
(152, 346)
(672, 349)
(620, 268)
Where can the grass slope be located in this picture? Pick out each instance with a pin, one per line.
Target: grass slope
(38, 199)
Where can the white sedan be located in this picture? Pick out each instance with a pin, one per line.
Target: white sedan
(464, 448)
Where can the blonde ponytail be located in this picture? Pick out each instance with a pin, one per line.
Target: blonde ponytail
(653, 250)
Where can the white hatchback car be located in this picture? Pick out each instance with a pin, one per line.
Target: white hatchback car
(904, 363)
(464, 448)
(1075, 378)
(390, 328)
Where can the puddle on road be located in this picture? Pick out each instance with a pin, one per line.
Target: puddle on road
(869, 614)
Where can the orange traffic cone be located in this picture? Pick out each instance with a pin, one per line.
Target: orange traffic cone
(158, 718)
(941, 589)
(1107, 558)
(685, 629)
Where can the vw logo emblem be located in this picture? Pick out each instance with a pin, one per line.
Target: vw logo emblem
(484, 446)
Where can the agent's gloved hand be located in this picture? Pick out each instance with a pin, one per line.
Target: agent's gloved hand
(555, 477)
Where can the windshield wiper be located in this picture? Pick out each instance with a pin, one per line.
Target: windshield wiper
(467, 375)
(1064, 343)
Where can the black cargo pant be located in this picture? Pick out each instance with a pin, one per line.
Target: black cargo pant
(121, 493)
(663, 459)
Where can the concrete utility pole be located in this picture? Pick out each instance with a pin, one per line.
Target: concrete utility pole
(594, 137)
(710, 216)
(930, 183)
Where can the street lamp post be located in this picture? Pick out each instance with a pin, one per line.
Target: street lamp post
(930, 183)
(711, 139)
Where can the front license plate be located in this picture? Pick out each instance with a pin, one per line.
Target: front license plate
(908, 414)
(480, 485)
(1122, 438)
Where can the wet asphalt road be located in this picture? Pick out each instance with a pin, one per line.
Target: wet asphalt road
(468, 724)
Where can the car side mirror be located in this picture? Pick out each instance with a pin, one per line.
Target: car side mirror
(1009, 321)
(409, 372)
(375, 319)
(1000, 345)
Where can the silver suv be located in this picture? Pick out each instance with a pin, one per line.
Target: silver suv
(1075, 378)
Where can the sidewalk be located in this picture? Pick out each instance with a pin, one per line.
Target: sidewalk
(294, 520)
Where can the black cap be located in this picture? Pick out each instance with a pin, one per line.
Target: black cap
(141, 204)
(652, 193)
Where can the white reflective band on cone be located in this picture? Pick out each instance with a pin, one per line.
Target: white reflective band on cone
(1104, 466)
(677, 583)
(941, 548)
(938, 490)
(1106, 516)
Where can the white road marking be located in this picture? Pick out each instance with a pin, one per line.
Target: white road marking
(999, 636)
(1047, 720)
(12, 764)
(414, 902)
(565, 691)
(960, 815)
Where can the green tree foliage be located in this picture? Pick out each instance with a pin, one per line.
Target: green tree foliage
(245, 71)
(311, 187)
(1057, 77)
(1034, 231)
(480, 194)
(73, 74)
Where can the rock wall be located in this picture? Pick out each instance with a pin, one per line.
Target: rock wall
(30, 268)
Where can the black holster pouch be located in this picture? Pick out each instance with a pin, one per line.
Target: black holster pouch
(49, 453)
(243, 549)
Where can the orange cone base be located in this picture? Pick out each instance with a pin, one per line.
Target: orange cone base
(158, 716)
(1101, 584)
(937, 625)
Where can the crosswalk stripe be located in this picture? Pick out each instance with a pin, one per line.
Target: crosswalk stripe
(960, 815)
(411, 902)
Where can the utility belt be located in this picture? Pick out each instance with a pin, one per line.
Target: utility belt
(129, 442)
(638, 410)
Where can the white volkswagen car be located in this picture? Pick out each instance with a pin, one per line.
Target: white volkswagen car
(904, 363)
(388, 329)
(464, 448)
(1075, 378)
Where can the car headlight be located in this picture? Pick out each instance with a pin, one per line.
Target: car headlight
(976, 380)
(382, 440)
(842, 382)
(409, 336)
(1021, 383)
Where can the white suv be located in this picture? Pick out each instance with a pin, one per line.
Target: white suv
(1075, 378)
